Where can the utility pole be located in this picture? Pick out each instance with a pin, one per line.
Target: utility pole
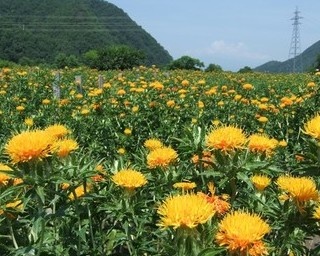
(295, 48)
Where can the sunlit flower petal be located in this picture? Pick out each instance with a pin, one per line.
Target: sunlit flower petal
(226, 138)
(301, 189)
(152, 144)
(260, 181)
(29, 145)
(161, 157)
(129, 179)
(312, 127)
(260, 143)
(241, 232)
(57, 130)
(188, 210)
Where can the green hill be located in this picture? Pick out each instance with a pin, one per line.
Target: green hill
(39, 30)
(307, 58)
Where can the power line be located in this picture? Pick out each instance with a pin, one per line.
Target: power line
(67, 23)
(103, 17)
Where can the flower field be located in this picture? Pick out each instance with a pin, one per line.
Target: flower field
(153, 162)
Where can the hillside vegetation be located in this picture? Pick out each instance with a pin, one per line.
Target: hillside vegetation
(304, 62)
(37, 31)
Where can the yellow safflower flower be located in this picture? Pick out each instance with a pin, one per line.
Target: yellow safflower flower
(260, 181)
(220, 103)
(121, 92)
(311, 84)
(127, 131)
(4, 177)
(6, 71)
(215, 122)
(157, 85)
(237, 97)
(226, 138)
(79, 191)
(260, 143)
(205, 160)
(107, 85)
(57, 130)
(219, 203)
(63, 147)
(171, 103)
(46, 102)
(200, 104)
(185, 185)
(202, 82)
(312, 127)
(241, 232)
(129, 179)
(79, 96)
(152, 144)
(20, 108)
(29, 146)
(184, 211)
(135, 109)
(65, 186)
(316, 213)
(185, 82)
(263, 106)
(64, 102)
(121, 151)
(161, 157)
(248, 87)
(194, 120)
(28, 121)
(263, 119)
(85, 111)
(16, 206)
(282, 143)
(301, 189)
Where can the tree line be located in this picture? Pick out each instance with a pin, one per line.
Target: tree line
(121, 57)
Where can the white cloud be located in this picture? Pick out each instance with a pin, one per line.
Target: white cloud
(236, 50)
(229, 55)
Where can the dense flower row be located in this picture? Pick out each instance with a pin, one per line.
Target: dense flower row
(155, 163)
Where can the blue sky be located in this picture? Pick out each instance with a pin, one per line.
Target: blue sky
(230, 33)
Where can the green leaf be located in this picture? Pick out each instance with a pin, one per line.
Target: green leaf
(40, 193)
(211, 251)
(244, 177)
(250, 166)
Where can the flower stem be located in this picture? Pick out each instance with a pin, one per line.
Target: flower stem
(233, 187)
(15, 244)
(41, 237)
(91, 230)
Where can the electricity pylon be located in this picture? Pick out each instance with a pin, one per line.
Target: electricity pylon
(295, 47)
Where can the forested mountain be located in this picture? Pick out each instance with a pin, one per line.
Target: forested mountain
(307, 59)
(39, 30)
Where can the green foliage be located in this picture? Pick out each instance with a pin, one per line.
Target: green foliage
(6, 63)
(187, 63)
(316, 64)
(91, 58)
(25, 61)
(245, 69)
(114, 57)
(62, 61)
(213, 68)
(40, 30)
